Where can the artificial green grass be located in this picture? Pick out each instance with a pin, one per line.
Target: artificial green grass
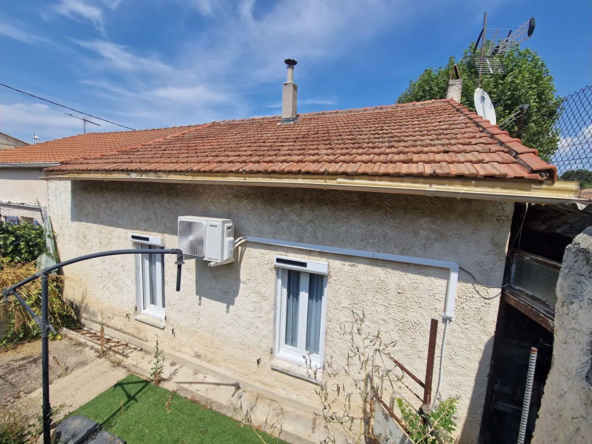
(136, 411)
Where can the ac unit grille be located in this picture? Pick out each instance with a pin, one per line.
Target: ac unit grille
(191, 238)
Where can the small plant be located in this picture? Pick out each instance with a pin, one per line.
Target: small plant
(102, 352)
(167, 405)
(15, 426)
(158, 366)
(433, 428)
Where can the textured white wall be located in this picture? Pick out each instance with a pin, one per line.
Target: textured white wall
(225, 315)
(22, 185)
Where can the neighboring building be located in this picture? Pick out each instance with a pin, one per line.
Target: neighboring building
(23, 191)
(7, 142)
(370, 209)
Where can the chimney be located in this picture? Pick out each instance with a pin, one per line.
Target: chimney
(454, 85)
(289, 94)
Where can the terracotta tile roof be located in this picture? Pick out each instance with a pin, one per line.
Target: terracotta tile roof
(84, 145)
(436, 138)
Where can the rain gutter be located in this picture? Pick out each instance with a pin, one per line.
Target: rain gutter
(29, 165)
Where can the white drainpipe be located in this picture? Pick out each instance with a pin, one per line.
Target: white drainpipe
(452, 268)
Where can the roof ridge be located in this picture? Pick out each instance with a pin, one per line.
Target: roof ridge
(528, 157)
(335, 111)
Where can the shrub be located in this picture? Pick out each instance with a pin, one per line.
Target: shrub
(21, 243)
(433, 428)
(20, 324)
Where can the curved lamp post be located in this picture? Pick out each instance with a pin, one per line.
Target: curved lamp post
(44, 324)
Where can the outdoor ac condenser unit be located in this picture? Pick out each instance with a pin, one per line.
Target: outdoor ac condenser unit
(207, 238)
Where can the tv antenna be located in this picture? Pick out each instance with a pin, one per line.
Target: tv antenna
(519, 115)
(35, 138)
(84, 121)
(496, 42)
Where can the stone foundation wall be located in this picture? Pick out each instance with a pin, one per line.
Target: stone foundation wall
(565, 415)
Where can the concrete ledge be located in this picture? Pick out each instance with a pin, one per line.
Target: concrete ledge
(294, 370)
(210, 369)
(149, 320)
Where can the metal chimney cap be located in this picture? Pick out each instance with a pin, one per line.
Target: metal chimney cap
(291, 63)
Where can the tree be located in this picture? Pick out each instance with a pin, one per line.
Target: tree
(581, 175)
(526, 81)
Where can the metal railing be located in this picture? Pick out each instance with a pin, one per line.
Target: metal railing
(573, 157)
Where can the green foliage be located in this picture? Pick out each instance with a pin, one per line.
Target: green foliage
(21, 243)
(582, 176)
(526, 81)
(157, 366)
(20, 325)
(438, 424)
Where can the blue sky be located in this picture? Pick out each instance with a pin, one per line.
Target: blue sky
(157, 63)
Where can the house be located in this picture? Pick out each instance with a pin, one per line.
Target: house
(23, 191)
(400, 211)
(7, 142)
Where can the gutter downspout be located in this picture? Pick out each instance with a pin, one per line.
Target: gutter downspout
(452, 267)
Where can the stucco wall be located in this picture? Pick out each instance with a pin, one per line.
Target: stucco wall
(565, 416)
(225, 315)
(23, 185)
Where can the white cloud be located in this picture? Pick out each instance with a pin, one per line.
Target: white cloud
(305, 102)
(23, 119)
(239, 50)
(20, 35)
(237, 55)
(118, 58)
(574, 152)
(92, 10)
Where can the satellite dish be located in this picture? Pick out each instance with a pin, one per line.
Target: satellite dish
(484, 106)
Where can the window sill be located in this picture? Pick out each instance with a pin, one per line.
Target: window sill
(154, 322)
(297, 371)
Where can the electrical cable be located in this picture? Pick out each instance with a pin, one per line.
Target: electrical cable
(64, 106)
(487, 298)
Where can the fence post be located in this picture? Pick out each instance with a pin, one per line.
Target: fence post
(429, 374)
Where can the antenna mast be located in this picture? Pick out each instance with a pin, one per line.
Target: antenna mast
(482, 44)
(84, 121)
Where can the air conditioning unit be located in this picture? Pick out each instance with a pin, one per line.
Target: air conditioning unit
(207, 238)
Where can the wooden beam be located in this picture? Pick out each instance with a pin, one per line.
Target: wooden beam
(529, 311)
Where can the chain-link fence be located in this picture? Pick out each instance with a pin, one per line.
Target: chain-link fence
(573, 157)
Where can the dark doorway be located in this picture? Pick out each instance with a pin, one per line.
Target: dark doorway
(516, 334)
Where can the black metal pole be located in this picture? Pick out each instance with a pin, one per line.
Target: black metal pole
(45, 326)
(45, 358)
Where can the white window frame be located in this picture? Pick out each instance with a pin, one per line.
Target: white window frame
(143, 279)
(295, 355)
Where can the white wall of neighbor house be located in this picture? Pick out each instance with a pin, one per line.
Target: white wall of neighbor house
(23, 185)
(225, 315)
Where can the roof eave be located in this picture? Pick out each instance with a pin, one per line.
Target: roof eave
(30, 165)
(507, 190)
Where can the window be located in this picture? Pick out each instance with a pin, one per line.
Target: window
(150, 279)
(301, 303)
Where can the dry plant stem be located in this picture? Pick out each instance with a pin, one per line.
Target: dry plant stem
(366, 373)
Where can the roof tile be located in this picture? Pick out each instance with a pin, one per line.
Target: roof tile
(440, 138)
